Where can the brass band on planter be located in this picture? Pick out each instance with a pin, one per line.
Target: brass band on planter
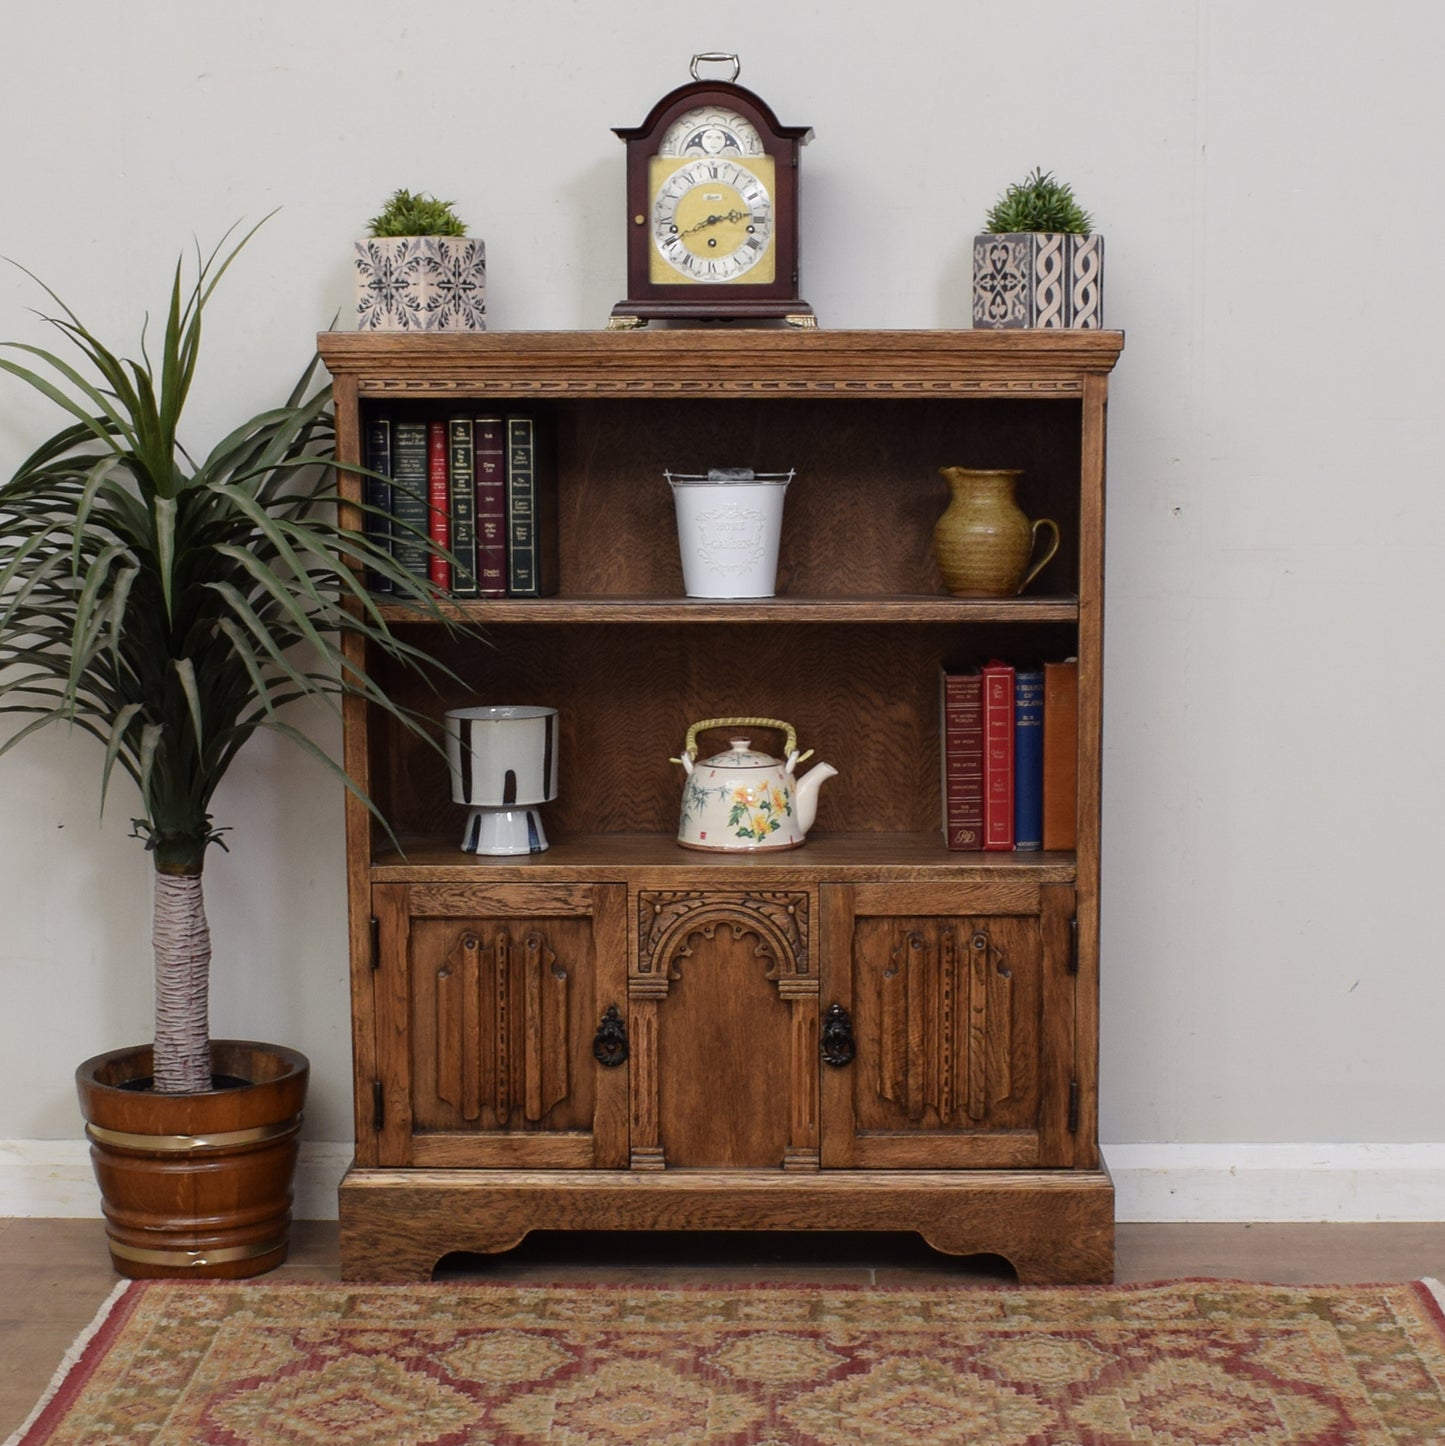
(197, 1258)
(225, 1140)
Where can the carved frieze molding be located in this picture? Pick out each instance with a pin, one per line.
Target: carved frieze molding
(529, 386)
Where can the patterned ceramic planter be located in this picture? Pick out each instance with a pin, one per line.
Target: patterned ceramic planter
(421, 283)
(1044, 279)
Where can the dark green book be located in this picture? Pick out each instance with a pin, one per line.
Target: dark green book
(376, 493)
(531, 511)
(409, 511)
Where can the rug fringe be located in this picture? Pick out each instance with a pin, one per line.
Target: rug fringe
(1435, 1289)
(68, 1362)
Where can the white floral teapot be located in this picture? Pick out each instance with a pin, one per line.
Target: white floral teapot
(742, 800)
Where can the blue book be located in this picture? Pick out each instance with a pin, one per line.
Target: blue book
(1029, 758)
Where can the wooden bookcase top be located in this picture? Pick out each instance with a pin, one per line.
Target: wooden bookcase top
(722, 362)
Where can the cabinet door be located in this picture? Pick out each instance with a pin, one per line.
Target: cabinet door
(959, 1001)
(724, 1018)
(489, 1002)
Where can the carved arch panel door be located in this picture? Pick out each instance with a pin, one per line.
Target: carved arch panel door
(497, 1012)
(723, 1008)
(957, 1006)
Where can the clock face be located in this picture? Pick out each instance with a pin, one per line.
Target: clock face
(709, 130)
(712, 220)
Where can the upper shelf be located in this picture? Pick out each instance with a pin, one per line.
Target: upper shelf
(909, 609)
(721, 362)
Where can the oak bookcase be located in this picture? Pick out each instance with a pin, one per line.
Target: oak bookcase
(620, 1033)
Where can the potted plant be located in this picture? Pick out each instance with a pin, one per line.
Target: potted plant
(1039, 263)
(170, 608)
(418, 270)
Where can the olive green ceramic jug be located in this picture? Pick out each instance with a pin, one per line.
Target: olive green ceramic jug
(984, 540)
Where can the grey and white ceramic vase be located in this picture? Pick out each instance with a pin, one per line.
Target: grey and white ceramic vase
(421, 283)
(503, 763)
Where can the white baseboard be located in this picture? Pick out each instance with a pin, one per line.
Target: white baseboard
(53, 1178)
(1277, 1182)
(1152, 1182)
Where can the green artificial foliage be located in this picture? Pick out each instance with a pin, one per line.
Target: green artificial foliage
(406, 214)
(171, 607)
(1039, 203)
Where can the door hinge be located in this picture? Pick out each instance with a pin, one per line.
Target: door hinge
(1074, 945)
(375, 943)
(378, 1106)
(1073, 1107)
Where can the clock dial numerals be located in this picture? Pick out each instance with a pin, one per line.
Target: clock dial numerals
(712, 221)
(708, 130)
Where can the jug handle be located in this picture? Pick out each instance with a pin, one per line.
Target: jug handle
(1048, 556)
(790, 746)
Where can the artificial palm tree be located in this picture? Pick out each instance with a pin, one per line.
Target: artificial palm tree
(171, 608)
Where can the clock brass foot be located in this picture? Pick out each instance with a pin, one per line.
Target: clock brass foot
(625, 323)
(806, 322)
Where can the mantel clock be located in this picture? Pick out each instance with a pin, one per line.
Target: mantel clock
(712, 208)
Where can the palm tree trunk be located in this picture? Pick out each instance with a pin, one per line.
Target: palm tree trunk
(182, 941)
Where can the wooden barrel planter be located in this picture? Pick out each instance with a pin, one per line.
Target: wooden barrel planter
(198, 1185)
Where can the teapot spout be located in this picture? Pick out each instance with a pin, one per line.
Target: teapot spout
(805, 793)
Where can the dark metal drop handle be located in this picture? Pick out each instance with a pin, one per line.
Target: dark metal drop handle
(610, 1044)
(837, 1045)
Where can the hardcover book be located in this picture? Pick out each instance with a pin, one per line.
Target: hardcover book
(998, 757)
(531, 511)
(462, 491)
(376, 494)
(409, 514)
(1061, 754)
(1029, 758)
(439, 505)
(490, 461)
(961, 707)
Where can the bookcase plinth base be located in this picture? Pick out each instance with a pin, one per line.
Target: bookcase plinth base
(1052, 1226)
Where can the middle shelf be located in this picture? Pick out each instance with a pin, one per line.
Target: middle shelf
(843, 857)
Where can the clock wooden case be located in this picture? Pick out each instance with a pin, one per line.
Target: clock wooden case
(869, 1032)
(712, 210)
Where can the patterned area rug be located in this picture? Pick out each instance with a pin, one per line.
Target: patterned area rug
(1178, 1364)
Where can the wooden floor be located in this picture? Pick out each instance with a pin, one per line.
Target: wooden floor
(54, 1274)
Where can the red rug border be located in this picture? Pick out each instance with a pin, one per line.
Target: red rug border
(72, 1376)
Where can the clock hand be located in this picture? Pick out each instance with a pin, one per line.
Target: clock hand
(713, 221)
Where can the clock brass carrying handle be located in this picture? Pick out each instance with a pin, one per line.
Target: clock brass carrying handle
(716, 57)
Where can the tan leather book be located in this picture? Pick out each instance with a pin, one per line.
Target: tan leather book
(1061, 754)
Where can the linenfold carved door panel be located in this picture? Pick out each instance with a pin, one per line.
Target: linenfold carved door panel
(957, 1006)
(492, 1003)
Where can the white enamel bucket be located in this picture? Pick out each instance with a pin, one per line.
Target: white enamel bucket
(728, 526)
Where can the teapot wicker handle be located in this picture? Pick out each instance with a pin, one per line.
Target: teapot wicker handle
(790, 744)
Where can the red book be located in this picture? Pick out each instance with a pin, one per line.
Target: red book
(491, 466)
(998, 757)
(439, 525)
(962, 725)
(1061, 753)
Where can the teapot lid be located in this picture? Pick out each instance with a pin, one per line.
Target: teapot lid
(740, 754)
